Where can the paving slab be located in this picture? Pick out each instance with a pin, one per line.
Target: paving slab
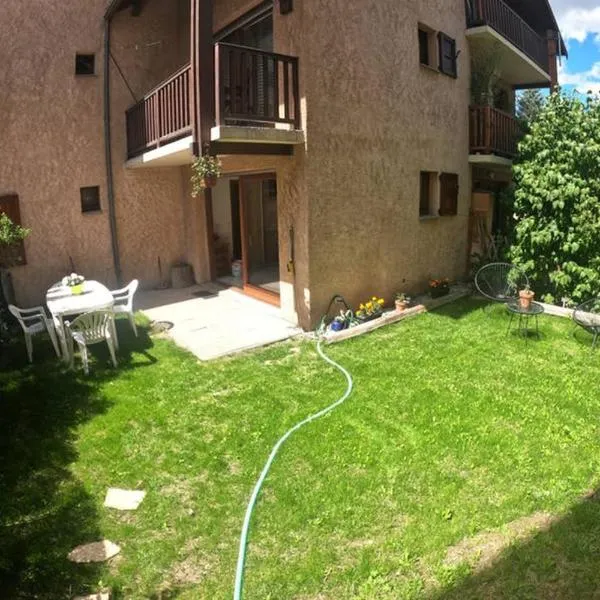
(123, 499)
(97, 596)
(212, 321)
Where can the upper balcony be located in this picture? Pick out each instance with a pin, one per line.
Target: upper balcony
(521, 53)
(257, 106)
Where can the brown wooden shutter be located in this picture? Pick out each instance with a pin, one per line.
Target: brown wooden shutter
(12, 255)
(448, 194)
(447, 51)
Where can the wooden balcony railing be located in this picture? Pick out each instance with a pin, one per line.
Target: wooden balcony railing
(510, 25)
(254, 87)
(161, 116)
(492, 131)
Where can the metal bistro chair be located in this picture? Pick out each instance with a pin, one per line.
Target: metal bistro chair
(34, 321)
(587, 315)
(124, 303)
(493, 281)
(91, 328)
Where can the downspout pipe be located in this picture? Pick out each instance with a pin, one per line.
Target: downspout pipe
(110, 192)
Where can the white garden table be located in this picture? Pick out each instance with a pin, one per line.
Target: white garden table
(62, 303)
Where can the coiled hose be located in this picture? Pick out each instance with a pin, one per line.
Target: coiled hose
(241, 561)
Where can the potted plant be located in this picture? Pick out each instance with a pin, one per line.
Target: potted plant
(439, 287)
(205, 171)
(342, 321)
(526, 296)
(401, 301)
(370, 310)
(74, 282)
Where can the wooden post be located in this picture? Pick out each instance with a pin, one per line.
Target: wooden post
(552, 39)
(202, 100)
(487, 123)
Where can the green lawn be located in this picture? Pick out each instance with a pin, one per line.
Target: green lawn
(456, 437)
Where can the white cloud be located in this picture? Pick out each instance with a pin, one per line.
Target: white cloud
(577, 18)
(582, 81)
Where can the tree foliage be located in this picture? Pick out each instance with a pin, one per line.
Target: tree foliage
(557, 200)
(530, 104)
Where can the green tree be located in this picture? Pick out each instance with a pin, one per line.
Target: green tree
(530, 104)
(557, 200)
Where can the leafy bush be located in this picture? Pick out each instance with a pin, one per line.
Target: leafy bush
(557, 200)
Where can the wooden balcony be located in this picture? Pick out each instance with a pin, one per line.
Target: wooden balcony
(256, 88)
(252, 89)
(492, 132)
(502, 19)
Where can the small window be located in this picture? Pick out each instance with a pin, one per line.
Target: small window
(90, 199)
(427, 194)
(447, 51)
(85, 64)
(448, 194)
(15, 254)
(426, 46)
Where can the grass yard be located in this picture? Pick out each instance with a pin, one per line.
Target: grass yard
(464, 465)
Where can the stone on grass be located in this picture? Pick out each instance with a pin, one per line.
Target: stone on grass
(123, 499)
(94, 552)
(98, 596)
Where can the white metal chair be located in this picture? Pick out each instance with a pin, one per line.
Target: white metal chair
(91, 328)
(124, 302)
(34, 321)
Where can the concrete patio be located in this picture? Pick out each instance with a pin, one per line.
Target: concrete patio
(212, 321)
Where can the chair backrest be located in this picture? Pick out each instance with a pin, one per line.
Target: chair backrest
(27, 316)
(93, 326)
(500, 282)
(124, 296)
(588, 314)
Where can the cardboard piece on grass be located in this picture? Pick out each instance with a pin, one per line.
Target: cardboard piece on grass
(98, 596)
(123, 499)
(94, 552)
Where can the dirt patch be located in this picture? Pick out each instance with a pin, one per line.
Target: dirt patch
(192, 569)
(482, 549)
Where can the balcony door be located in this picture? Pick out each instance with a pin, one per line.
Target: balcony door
(260, 237)
(248, 79)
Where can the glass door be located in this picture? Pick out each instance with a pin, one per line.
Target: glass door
(260, 241)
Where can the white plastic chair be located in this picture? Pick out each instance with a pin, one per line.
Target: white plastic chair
(91, 328)
(124, 302)
(34, 321)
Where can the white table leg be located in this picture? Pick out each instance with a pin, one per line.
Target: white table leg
(62, 334)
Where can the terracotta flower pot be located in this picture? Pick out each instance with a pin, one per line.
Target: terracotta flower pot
(401, 305)
(210, 181)
(525, 298)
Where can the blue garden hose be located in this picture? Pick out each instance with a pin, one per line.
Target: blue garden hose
(239, 572)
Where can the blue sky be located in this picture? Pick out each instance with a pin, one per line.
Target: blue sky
(579, 21)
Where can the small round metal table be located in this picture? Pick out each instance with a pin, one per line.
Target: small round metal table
(533, 310)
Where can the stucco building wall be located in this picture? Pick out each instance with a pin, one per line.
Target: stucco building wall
(375, 119)
(51, 128)
(372, 116)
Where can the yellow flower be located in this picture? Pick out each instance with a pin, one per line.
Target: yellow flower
(381, 301)
(362, 307)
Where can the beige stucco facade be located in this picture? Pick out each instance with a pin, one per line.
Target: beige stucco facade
(373, 119)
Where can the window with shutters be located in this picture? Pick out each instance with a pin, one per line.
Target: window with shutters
(427, 46)
(427, 194)
(447, 52)
(15, 254)
(448, 194)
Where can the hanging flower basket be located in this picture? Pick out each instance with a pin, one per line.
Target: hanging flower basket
(205, 171)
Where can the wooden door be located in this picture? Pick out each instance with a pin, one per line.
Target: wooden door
(258, 226)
